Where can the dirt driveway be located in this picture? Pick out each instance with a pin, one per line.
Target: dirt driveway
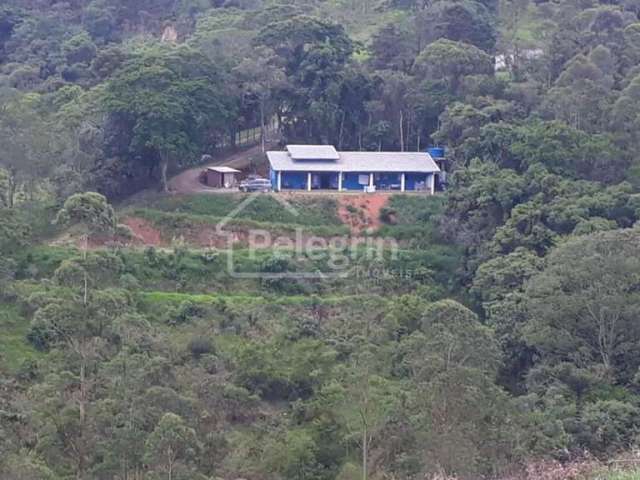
(188, 181)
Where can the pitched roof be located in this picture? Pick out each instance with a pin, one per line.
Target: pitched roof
(312, 152)
(223, 169)
(419, 162)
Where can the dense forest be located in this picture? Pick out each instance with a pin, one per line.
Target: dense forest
(507, 348)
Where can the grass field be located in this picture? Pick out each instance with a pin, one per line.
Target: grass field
(626, 475)
(174, 223)
(310, 211)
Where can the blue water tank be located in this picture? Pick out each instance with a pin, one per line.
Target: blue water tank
(436, 152)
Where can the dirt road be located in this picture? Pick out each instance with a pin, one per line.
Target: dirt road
(188, 181)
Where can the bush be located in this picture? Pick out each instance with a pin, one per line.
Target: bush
(14, 231)
(388, 215)
(7, 273)
(609, 426)
(280, 265)
(186, 311)
(129, 282)
(79, 49)
(199, 346)
(39, 337)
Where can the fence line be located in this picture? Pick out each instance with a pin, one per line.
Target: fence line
(249, 136)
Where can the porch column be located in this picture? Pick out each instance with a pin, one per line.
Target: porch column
(309, 181)
(432, 184)
(402, 182)
(279, 182)
(339, 181)
(371, 180)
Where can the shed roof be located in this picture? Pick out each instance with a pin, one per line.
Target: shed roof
(313, 152)
(419, 162)
(223, 169)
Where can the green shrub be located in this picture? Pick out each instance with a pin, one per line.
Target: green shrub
(187, 311)
(280, 265)
(129, 282)
(388, 215)
(413, 219)
(199, 346)
(15, 347)
(609, 426)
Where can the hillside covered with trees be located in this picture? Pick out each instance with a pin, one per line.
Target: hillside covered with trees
(500, 342)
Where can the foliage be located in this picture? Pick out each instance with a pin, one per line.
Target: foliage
(15, 351)
(452, 60)
(90, 209)
(502, 333)
(169, 443)
(14, 232)
(585, 313)
(169, 97)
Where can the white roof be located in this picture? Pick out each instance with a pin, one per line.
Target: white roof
(312, 152)
(223, 169)
(418, 162)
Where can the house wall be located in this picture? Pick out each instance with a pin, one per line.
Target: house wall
(229, 179)
(214, 179)
(414, 181)
(294, 180)
(350, 181)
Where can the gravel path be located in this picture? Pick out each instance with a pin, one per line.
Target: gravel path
(188, 181)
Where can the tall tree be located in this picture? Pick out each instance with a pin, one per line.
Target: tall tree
(173, 99)
(260, 78)
(586, 313)
(171, 442)
(29, 148)
(451, 60)
(314, 53)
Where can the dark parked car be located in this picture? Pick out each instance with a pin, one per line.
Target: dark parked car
(256, 185)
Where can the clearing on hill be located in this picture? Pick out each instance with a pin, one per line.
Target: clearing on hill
(362, 212)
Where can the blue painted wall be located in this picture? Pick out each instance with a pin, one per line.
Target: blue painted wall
(298, 180)
(294, 180)
(350, 182)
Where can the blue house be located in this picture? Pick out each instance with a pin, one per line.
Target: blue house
(321, 167)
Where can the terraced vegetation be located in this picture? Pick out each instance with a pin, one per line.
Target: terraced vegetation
(195, 218)
(302, 210)
(167, 281)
